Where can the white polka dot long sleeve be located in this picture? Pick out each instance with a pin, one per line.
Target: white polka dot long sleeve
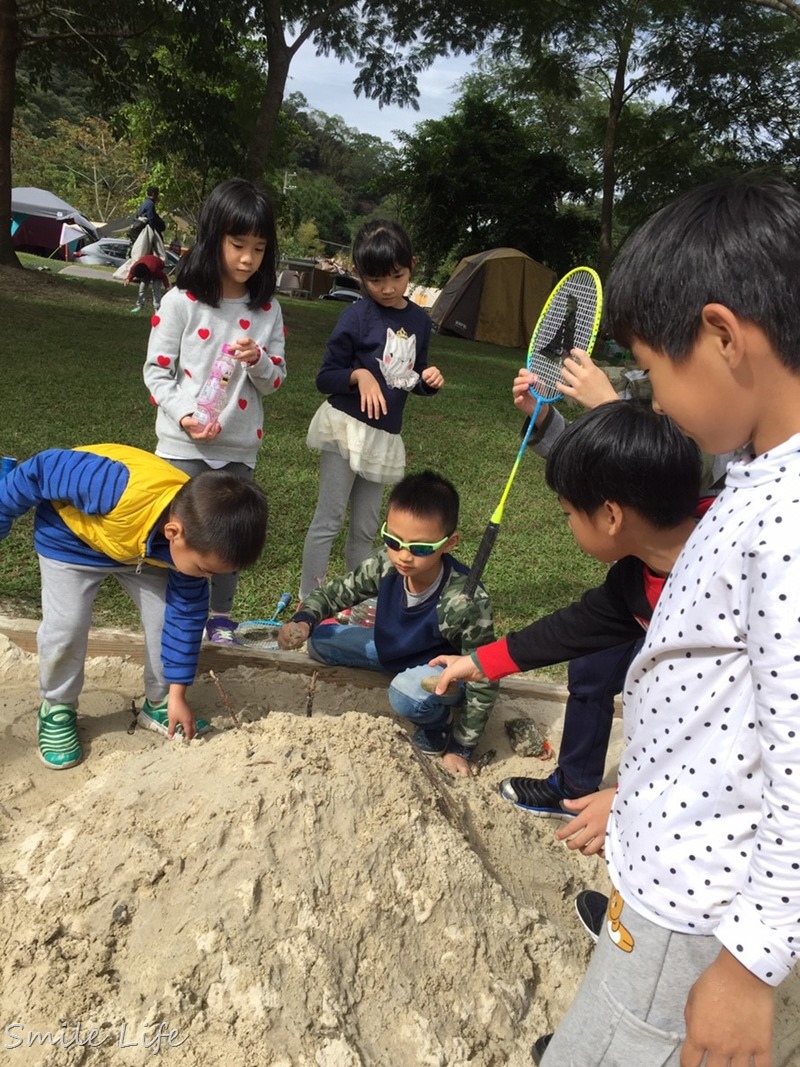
(705, 832)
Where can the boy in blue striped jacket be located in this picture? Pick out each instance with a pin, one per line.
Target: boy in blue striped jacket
(111, 509)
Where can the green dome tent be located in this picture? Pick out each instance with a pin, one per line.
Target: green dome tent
(494, 296)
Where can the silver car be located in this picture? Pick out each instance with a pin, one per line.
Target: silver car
(113, 252)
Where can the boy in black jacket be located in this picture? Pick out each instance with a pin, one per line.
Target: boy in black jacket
(628, 481)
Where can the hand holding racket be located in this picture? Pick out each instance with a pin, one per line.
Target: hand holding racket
(570, 319)
(261, 633)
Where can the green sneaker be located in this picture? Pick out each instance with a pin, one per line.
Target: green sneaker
(59, 746)
(155, 717)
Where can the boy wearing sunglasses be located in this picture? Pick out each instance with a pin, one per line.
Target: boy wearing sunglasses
(421, 613)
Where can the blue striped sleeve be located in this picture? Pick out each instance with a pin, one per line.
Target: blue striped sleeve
(93, 484)
(184, 619)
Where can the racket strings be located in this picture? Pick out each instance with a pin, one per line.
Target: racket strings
(569, 322)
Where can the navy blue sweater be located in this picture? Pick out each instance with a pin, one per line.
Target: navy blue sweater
(357, 341)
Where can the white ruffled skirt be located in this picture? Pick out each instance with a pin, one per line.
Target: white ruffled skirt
(372, 453)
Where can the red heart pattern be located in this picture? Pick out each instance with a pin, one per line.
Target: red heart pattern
(203, 334)
(188, 373)
(242, 403)
(154, 321)
(244, 323)
(266, 307)
(259, 434)
(190, 296)
(163, 361)
(153, 401)
(277, 360)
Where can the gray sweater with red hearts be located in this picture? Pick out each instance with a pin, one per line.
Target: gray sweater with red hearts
(185, 339)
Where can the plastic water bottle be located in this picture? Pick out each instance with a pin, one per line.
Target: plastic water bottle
(213, 396)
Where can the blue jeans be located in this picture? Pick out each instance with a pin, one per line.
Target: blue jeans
(354, 646)
(593, 682)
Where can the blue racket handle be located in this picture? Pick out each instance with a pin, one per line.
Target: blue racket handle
(283, 603)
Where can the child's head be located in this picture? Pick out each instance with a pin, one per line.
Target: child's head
(234, 209)
(384, 261)
(624, 453)
(708, 280)
(421, 522)
(152, 192)
(216, 523)
(735, 243)
(140, 272)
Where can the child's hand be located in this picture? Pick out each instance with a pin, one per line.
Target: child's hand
(179, 714)
(373, 402)
(456, 765)
(197, 431)
(245, 350)
(293, 635)
(585, 382)
(433, 377)
(521, 392)
(455, 668)
(729, 1014)
(587, 831)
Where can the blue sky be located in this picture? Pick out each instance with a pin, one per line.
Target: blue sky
(327, 84)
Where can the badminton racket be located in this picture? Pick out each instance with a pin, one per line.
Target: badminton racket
(262, 633)
(570, 319)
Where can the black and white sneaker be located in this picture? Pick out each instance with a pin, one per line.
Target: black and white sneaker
(431, 742)
(542, 796)
(540, 1047)
(591, 907)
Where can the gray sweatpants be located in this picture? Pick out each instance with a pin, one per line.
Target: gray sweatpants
(338, 486)
(158, 290)
(68, 595)
(223, 586)
(629, 1008)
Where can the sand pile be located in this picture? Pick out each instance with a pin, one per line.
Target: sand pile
(294, 891)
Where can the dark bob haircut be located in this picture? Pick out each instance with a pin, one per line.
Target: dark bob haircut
(624, 452)
(223, 515)
(235, 208)
(381, 247)
(735, 243)
(428, 496)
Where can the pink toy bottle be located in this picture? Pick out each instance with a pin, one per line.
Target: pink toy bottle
(213, 396)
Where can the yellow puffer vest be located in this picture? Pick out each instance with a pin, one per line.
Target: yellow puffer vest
(122, 533)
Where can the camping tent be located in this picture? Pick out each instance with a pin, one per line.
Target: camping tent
(42, 222)
(494, 296)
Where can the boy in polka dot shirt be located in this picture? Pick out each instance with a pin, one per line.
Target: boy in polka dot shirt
(703, 843)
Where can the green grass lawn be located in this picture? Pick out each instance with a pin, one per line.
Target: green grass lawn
(73, 375)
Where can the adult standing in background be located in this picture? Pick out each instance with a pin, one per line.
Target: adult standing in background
(148, 210)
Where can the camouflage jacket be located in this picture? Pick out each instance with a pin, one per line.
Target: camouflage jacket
(464, 624)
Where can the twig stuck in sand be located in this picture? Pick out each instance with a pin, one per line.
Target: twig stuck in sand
(225, 701)
(312, 688)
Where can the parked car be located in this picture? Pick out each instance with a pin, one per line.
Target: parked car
(346, 296)
(113, 252)
(345, 288)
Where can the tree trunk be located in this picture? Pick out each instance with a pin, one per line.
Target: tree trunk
(615, 106)
(279, 58)
(9, 51)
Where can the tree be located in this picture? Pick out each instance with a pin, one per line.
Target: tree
(474, 180)
(703, 68)
(392, 43)
(45, 29)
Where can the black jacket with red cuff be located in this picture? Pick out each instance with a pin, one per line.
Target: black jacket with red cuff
(615, 612)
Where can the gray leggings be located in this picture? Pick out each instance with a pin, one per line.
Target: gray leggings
(68, 594)
(223, 586)
(338, 486)
(629, 1008)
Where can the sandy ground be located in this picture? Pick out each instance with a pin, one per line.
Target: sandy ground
(293, 891)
